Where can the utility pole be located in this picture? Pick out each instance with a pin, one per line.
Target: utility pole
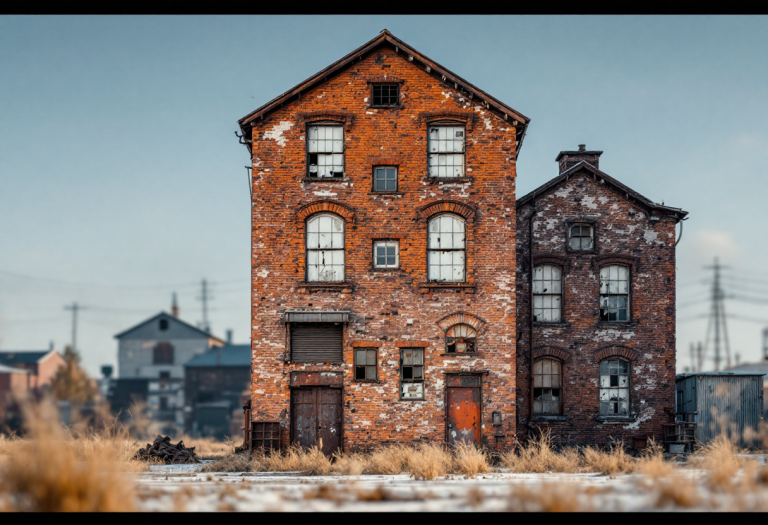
(693, 359)
(74, 307)
(205, 298)
(718, 316)
(700, 356)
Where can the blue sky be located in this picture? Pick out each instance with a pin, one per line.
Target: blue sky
(121, 180)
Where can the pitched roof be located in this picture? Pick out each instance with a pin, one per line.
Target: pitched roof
(760, 368)
(22, 357)
(624, 191)
(429, 65)
(168, 316)
(227, 355)
(10, 370)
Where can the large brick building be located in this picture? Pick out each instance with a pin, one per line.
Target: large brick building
(383, 305)
(384, 288)
(597, 261)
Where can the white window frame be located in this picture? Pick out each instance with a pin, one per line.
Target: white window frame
(446, 150)
(442, 249)
(615, 396)
(324, 246)
(386, 244)
(615, 292)
(326, 149)
(547, 293)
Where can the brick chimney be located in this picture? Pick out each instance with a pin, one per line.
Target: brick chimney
(174, 306)
(567, 159)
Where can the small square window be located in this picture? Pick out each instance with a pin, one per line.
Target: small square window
(386, 254)
(366, 367)
(385, 178)
(386, 95)
(581, 237)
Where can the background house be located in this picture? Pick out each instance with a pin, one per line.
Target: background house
(42, 366)
(216, 384)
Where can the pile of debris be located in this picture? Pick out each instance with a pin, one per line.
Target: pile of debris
(162, 449)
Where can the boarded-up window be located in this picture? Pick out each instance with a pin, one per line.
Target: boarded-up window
(316, 342)
(162, 354)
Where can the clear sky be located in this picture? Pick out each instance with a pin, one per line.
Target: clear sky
(121, 180)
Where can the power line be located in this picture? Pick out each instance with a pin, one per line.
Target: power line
(74, 307)
(75, 283)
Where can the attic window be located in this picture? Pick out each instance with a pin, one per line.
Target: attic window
(386, 95)
(163, 324)
(581, 237)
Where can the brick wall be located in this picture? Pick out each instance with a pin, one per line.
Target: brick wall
(389, 309)
(625, 235)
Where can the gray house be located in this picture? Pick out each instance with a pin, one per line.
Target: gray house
(154, 353)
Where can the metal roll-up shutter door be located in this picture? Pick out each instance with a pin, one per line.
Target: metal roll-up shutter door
(316, 342)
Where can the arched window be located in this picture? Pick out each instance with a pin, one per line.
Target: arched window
(547, 387)
(614, 293)
(547, 294)
(614, 387)
(446, 249)
(325, 248)
(460, 339)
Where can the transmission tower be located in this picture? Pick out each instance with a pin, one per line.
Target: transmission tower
(717, 319)
(74, 307)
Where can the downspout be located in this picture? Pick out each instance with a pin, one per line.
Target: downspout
(681, 231)
(530, 306)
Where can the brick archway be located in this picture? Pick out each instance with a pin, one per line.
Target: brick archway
(328, 206)
(460, 318)
(552, 351)
(610, 351)
(446, 206)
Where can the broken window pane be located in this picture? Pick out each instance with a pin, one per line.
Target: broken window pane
(412, 372)
(547, 386)
(386, 254)
(366, 367)
(547, 293)
(614, 293)
(460, 338)
(446, 151)
(614, 387)
(325, 248)
(446, 244)
(325, 149)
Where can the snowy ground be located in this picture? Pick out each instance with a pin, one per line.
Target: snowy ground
(182, 487)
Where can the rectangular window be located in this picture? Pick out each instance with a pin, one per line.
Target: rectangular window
(317, 342)
(446, 151)
(386, 254)
(614, 293)
(581, 237)
(385, 178)
(325, 151)
(412, 373)
(547, 294)
(386, 95)
(366, 364)
(547, 387)
(162, 353)
(614, 388)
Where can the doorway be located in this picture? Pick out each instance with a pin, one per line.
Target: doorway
(463, 410)
(316, 418)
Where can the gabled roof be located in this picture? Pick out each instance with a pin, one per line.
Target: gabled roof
(10, 370)
(22, 357)
(624, 191)
(227, 355)
(167, 316)
(385, 38)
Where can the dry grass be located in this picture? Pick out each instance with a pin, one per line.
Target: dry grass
(718, 459)
(612, 462)
(548, 497)
(428, 461)
(469, 460)
(389, 460)
(47, 472)
(538, 456)
(208, 447)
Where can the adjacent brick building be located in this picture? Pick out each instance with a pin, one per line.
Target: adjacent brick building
(601, 259)
(383, 208)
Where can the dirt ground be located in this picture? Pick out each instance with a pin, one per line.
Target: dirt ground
(185, 488)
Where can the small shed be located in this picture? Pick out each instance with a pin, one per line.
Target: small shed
(729, 402)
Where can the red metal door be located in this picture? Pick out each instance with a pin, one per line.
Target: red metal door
(316, 418)
(463, 419)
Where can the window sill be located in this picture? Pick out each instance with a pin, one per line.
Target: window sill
(388, 270)
(448, 286)
(456, 354)
(385, 107)
(617, 324)
(548, 419)
(615, 420)
(368, 381)
(552, 325)
(387, 193)
(344, 287)
(336, 180)
(448, 180)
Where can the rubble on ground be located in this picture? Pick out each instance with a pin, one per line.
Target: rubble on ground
(162, 449)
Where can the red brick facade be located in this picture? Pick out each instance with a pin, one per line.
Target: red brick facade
(629, 231)
(388, 309)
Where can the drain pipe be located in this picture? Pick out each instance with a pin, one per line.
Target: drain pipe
(530, 305)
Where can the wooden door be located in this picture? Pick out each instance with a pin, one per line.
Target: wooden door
(316, 418)
(463, 415)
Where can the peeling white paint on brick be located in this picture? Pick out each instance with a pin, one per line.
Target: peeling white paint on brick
(276, 133)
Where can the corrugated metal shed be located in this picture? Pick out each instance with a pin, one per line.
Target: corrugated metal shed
(722, 402)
